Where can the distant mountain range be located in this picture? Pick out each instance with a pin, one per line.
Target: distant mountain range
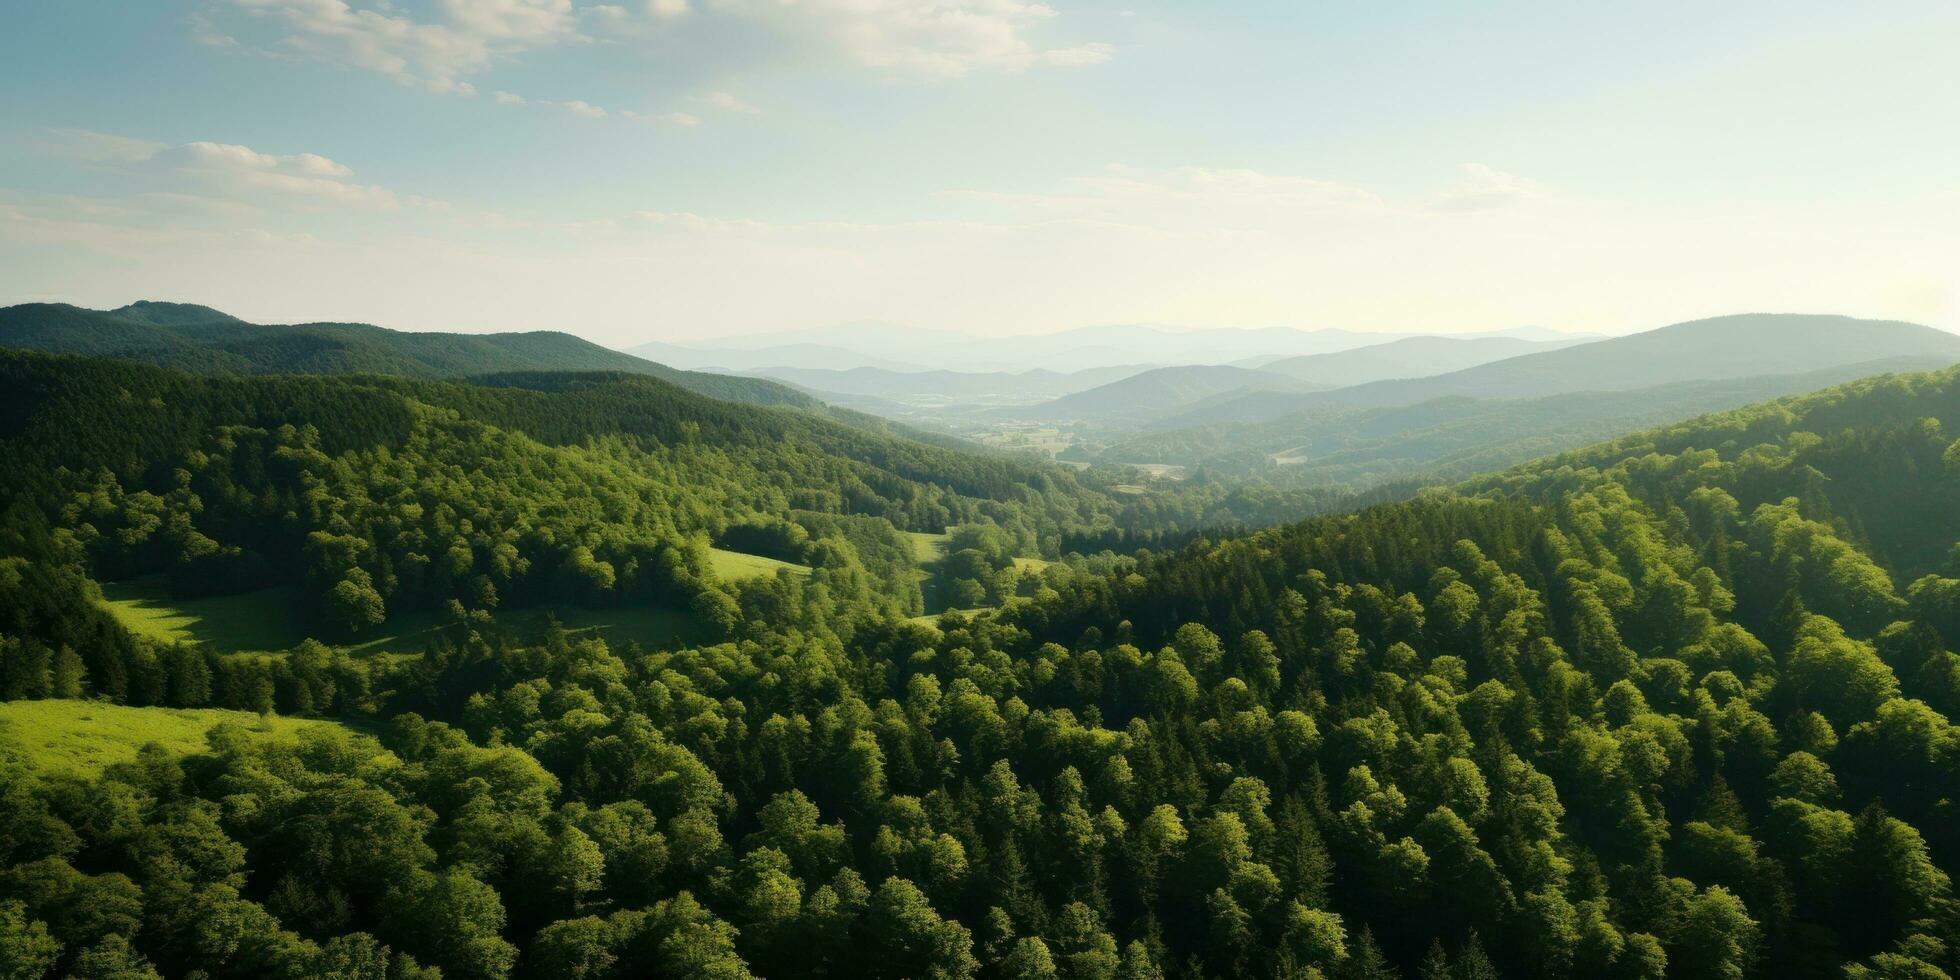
(901, 348)
(1154, 392)
(1741, 346)
(938, 387)
(1454, 436)
(207, 341)
(1411, 357)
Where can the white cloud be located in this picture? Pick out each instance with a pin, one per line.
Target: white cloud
(930, 38)
(1093, 53)
(227, 170)
(470, 35)
(584, 109)
(442, 46)
(727, 102)
(232, 157)
(253, 230)
(530, 21)
(682, 120)
(577, 107)
(205, 31)
(1482, 188)
(303, 177)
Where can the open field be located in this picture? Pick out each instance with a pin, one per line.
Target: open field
(928, 547)
(734, 565)
(266, 622)
(932, 619)
(85, 737)
(261, 620)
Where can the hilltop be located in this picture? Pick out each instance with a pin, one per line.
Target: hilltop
(201, 339)
(1740, 346)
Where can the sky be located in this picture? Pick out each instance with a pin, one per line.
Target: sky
(691, 169)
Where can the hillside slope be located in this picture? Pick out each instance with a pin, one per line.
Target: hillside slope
(198, 338)
(1410, 357)
(1747, 345)
(973, 387)
(1159, 391)
(1456, 437)
(1675, 706)
(1722, 647)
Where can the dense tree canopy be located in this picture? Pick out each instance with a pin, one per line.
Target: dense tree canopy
(1677, 705)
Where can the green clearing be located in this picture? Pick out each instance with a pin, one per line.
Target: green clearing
(732, 566)
(85, 737)
(261, 620)
(932, 619)
(265, 623)
(931, 549)
(927, 547)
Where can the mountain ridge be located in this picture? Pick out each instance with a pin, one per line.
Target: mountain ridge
(205, 340)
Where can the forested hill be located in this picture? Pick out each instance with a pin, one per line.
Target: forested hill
(1674, 706)
(1678, 703)
(597, 489)
(201, 339)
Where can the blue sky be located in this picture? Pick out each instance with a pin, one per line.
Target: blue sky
(666, 169)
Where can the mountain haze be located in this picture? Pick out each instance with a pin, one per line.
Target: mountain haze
(1111, 345)
(1410, 357)
(992, 387)
(1741, 346)
(1454, 436)
(1159, 390)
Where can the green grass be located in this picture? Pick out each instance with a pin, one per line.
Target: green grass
(731, 566)
(932, 619)
(85, 737)
(266, 622)
(261, 620)
(928, 548)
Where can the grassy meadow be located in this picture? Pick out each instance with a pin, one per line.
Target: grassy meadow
(85, 737)
(267, 623)
(735, 565)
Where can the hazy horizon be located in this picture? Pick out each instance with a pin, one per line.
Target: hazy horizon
(688, 170)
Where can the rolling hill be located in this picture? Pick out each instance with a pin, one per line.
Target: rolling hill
(906, 348)
(1158, 391)
(1741, 346)
(1454, 437)
(1676, 705)
(941, 387)
(200, 339)
(1410, 357)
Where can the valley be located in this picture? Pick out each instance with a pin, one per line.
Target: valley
(979, 490)
(1279, 668)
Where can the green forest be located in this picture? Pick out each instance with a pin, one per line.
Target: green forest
(1674, 705)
